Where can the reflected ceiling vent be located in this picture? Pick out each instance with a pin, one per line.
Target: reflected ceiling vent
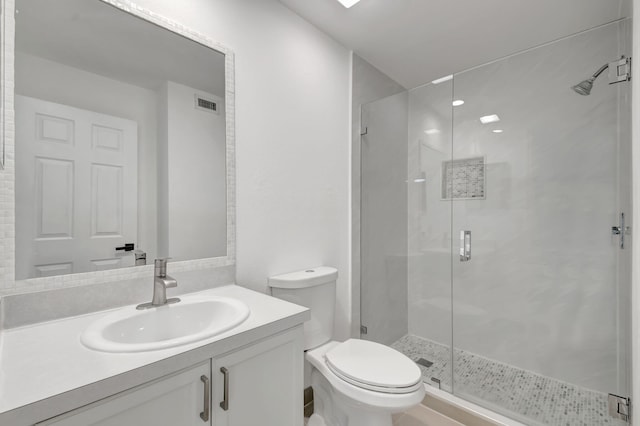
(493, 118)
(443, 79)
(205, 104)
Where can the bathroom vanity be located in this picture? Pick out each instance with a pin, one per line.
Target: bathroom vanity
(250, 374)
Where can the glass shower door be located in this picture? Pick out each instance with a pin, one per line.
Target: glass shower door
(405, 285)
(383, 240)
(538, 177)
(428, 341)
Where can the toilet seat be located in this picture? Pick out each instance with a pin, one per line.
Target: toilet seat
(378, 400)
(374, 367)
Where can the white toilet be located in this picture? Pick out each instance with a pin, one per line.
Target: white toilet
(357, 382)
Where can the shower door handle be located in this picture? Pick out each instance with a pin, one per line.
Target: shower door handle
(465, 246)
(620, 230)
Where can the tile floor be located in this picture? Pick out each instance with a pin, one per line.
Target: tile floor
(423, 416)
(525, 396)
(420, 416)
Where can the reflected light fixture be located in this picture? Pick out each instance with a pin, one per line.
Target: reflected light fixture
(493, 118)
(497, 130)
(348, 3)
(443, 79)
(432, 131)
(457, 102)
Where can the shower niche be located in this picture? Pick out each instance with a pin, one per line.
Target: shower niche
(463, 179)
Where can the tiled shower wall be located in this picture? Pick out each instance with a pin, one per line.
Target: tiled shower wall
(541, 291)
(429, 217)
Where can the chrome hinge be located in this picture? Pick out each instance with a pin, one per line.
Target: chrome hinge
(363, 330)
(620, 70)
(619, 407)
(621, 230)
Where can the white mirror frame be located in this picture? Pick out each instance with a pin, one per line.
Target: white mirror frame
(8, 283)
(3, 36)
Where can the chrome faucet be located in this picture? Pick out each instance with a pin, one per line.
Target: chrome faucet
(161, 282)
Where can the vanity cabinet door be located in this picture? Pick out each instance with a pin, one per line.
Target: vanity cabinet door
(264, 383)
(175, 400)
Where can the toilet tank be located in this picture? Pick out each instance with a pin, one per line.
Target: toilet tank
(314, 288)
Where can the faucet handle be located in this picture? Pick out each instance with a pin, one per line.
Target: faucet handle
(161, 266)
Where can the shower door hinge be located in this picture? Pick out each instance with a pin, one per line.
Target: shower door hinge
(620, 70)
(363, 330)
(621, 230)
(620, 407)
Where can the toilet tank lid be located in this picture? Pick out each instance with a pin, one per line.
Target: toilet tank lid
(306, 278)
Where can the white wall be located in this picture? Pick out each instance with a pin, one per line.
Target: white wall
(55, 82)
(292, 107)
(195, 181)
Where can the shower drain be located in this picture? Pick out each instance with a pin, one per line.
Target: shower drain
(424, 362)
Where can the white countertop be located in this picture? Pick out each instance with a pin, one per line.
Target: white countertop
(44, 360)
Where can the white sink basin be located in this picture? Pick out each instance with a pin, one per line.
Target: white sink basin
(192, 319)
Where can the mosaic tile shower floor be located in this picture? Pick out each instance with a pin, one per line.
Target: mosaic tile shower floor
(525, 396)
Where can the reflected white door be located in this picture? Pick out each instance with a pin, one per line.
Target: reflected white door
(76, 188)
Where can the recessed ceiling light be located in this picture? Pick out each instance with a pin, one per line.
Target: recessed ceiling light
(348, 3)
(432, 131)
(493, 118)
(497, 130)
(457, 102)
(443, 79)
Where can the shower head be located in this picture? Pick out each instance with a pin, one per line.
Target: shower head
(584, 87)
(619, 71)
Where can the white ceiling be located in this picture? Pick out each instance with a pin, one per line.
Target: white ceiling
(416, 41)
(95, 37)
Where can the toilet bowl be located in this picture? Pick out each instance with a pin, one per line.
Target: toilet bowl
(362, 383)
(356, 382)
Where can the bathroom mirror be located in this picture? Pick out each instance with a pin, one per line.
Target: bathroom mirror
(121, 150)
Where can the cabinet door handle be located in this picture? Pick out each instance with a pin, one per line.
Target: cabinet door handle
(207, 397)
(225, 401)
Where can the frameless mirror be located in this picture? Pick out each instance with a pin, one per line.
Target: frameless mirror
(120, 141)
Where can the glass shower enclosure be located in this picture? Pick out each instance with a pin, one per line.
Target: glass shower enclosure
(495, 244)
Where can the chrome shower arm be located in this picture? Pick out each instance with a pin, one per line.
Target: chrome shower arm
(600, 71)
